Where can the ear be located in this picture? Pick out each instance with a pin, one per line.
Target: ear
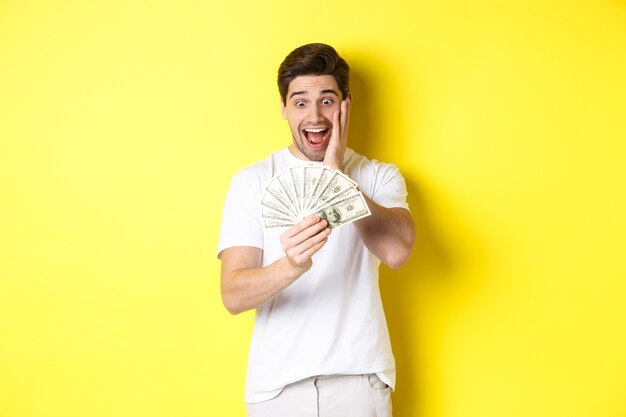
(283, 109)
(349, 98)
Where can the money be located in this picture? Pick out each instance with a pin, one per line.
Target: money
(302, 191)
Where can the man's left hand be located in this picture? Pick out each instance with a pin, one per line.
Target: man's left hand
(339, 136)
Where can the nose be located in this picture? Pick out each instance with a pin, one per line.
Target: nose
(315, 114)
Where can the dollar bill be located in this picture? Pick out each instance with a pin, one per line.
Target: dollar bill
(312, 175)
(297, 180)
(282, 194)
(326, 174)
(345, 211)
(269, 212)
(272, 223)
(305, 190)
(337, 186)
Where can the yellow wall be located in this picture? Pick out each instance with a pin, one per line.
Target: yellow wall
(121, 123)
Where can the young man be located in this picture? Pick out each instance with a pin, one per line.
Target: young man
(320, 344)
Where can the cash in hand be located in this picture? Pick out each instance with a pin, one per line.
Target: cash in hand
(302, 191)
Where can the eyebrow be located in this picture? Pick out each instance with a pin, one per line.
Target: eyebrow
(326, 91)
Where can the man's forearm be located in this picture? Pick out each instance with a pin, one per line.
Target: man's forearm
(247, 288)
(389, 233)
(247, 284)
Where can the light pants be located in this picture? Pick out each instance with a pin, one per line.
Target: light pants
(329, 396)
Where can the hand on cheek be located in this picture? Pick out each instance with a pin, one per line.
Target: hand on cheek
(339, 137)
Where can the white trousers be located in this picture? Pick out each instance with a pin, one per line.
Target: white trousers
(329, 396)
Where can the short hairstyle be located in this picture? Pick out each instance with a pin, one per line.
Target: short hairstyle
(313, 59)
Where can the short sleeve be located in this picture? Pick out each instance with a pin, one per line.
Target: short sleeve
(241, 217)
(388, 187)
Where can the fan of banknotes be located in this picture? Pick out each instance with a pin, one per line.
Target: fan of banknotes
(302, 191)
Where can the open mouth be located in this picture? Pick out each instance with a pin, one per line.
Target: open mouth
(316, 137)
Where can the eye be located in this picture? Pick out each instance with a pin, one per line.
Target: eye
(299, 103)
(327, 101)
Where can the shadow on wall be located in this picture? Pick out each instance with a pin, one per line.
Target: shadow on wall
(431, 259)
(445, 271)
(362, 133)
(400, 291)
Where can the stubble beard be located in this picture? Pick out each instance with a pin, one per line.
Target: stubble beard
(317, 156)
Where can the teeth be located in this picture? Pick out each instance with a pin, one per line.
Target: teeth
(314, 130)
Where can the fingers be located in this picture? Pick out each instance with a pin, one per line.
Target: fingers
(303, 252)
(345, 117)
(304, 239)
(336, 133)
(341, 121)
(301, 226)
(339, 136)
(316, 247)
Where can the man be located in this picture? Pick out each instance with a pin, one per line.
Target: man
(320, 345)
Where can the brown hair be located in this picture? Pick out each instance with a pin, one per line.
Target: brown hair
(313, 59)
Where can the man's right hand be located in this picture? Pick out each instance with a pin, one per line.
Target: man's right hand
(247, 284)
(302, 240)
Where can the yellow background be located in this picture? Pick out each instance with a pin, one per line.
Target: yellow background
(121, 123)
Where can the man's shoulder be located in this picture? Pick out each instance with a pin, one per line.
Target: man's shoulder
(360, 164)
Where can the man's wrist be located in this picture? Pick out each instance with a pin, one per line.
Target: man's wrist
(291, 271)
(337, 167)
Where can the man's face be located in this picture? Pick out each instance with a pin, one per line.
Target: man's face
(311, 102)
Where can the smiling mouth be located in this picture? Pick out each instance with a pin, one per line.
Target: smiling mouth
(316, 136)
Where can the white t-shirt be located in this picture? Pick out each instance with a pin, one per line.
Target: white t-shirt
(331, 319)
